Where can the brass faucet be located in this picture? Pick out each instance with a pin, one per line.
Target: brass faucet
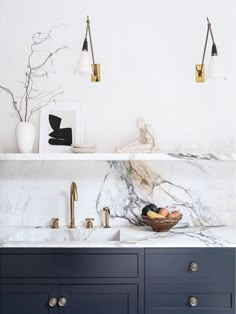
(73, 198)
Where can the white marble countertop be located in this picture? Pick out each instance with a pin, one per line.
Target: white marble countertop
(221, 236)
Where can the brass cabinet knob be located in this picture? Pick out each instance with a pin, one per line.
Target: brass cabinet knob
(52, 302)
(193, 301)
(62, 301)
(193, 266)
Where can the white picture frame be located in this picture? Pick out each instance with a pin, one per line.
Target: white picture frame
(67, 116)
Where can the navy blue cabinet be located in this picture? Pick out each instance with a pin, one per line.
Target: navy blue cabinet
(189, 298)
(27, 299)
(69, 299)
(104, 299)
(117, 281)
(71, 263)
(182, 281)
(71, 281)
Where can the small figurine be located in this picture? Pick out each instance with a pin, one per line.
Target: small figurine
(147, 142)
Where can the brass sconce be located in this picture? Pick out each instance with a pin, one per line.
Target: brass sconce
(84, 65)
(213, 69)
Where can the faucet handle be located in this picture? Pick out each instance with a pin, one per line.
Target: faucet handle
(55, 223)
(89, 223)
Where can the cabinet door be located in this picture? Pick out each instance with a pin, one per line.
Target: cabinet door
(28, 299)
(97, 298)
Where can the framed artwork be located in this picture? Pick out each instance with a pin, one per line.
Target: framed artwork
(61, 125)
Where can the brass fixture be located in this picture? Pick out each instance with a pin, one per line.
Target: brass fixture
(200, 68)
(55, 223)
(84, 64)
(89, 223)
(193, 301)
(193, 266)
(73, 198)
(200, 73)
(62, 301)
(52, 302)
(107, 215)
(96, 75)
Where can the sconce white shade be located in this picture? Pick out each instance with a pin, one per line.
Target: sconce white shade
(214, 69)
(84, 64)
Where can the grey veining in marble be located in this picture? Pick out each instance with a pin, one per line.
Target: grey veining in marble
(189, 156)
(31, 193)
(130, 185)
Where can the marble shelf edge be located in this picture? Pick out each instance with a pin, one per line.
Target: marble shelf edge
(116, 156)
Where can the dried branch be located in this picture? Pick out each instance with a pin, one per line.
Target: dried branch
(21, 100)
(49, 57)
(43, 74)
(42, 95)
(14, 102)
(33, 72)
(27, 92)
(51, 99)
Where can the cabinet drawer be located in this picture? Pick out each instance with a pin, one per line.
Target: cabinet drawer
(197, 265)
(177, 299)
(80, 263)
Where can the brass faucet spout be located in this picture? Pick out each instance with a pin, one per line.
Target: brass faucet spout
(74, 191)
(73, 198)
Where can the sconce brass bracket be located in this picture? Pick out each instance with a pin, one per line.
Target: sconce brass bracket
(96, 76)
(200, 75)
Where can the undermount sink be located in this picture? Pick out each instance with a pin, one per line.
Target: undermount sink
(65, 235)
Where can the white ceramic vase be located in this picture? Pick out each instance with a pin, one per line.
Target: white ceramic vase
(25, 134)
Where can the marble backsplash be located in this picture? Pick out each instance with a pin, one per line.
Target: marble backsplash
(31, 193)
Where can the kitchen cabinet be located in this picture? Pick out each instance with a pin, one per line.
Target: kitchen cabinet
(190, 281)
(104, 299)
(69, 299)
(27, 299)
(117, 281)
(71, 281)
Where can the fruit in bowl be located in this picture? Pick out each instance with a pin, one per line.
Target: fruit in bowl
(174, 214)
(161, 219)
(164, 212)
(153, 215)
(150, 207)
(153, 212)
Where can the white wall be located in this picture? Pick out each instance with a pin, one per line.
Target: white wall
(147, 50)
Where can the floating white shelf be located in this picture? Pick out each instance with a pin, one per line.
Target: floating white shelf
(115, 156)
(94, 156)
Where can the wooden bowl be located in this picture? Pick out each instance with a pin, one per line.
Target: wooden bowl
(161, 224)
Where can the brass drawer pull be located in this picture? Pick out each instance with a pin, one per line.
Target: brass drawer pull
(52, 302)
(193, 301)
(193, 266)
(62, 301)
